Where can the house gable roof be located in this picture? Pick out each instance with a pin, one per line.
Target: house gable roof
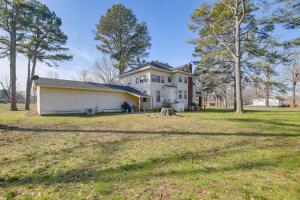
(69, 84)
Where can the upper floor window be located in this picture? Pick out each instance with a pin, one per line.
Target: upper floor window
(185, 79)
(137, 80)
(180, 94)
(169, 79)
(146, 79)
(157, 79)
(162, 79)
(185, 94)
(153, 78)
(180, 79)
(142, 78)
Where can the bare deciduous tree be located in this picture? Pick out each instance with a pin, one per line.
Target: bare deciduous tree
(83, 75)
(294, 78)
(104, 71)
(52, 74)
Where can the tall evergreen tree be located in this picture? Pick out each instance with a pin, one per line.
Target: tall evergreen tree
(44, 42)
(12, 23)
(122, 37)
(231, 25)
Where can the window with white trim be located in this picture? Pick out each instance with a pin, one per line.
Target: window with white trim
(180, 94)
(180, 79)
(185, 80)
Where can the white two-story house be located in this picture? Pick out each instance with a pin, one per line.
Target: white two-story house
(165, 84)
(147, 87)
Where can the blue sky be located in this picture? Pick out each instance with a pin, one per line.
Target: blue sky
(167, 22)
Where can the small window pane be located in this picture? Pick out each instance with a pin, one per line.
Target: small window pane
(180, 94)
(180, 79)
(185, 95)
(185, 79)
(169, 79)
(153, 78)
(158, 79)
(142, 79)
(137, 79)
(162, 79)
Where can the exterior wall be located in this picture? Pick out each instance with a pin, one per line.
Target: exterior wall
(60, 101)
(181, 86)
(130, 80)
(166, 92)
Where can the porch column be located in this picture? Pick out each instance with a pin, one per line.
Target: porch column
(139, 104)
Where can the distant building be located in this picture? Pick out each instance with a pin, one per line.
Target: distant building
(273, 102)
(288, 102)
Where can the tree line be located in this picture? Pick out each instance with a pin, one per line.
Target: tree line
(236, 47)
(33, 30)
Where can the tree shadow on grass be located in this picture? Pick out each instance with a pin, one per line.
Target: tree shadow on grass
(151, 168)
(145, 132)
(269, 122)
(126, 172)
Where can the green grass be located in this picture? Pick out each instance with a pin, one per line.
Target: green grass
(214, 154)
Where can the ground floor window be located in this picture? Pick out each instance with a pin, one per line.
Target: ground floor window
(180, 94)
(157, 96)
(185, 94)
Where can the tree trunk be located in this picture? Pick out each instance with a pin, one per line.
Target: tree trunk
(234, 94)
(293, 104)
(267, 94)
(225, 98)
(239, 103)
(13, 76)
(29, 84)
(28, 87)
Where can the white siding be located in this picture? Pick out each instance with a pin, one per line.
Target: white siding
(55, 100)
(151, 87)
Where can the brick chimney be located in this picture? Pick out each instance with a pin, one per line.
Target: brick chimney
(190, 67)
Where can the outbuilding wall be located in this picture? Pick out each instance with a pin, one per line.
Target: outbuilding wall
(60, 100)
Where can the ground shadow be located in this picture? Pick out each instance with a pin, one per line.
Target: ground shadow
(141, 171)
(142, 132)
(253, 120)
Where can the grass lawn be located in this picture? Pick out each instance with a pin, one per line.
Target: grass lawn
(214, 154)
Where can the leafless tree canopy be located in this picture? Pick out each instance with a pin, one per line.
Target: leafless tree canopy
(103, 71)
(51, 74)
